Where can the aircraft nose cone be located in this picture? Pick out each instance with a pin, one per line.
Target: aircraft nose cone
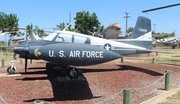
(24, 50)
(109, 55)
(37, 53)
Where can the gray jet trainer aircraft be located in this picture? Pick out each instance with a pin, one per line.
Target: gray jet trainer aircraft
(65, 48)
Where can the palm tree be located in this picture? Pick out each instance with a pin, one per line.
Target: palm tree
(61, 26)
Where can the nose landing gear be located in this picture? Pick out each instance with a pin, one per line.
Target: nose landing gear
(11, 69)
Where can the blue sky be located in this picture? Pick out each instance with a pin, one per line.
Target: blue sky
(49, 13)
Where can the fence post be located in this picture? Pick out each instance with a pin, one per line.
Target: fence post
(156, 53)
(122, 59)
(154, 60)
(126, 97)
(31, 61)
(168, 80)
(20, 60)
(2, 63)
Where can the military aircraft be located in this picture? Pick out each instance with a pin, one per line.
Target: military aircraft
(141, 34)
(65, 48)
(112, 31)
(8, 42)
(170, 42)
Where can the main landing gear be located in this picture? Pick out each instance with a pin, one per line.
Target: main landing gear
(72, 72)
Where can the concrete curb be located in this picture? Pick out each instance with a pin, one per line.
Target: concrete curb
(161, 97)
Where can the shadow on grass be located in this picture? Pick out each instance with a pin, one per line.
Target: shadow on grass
(144, 70)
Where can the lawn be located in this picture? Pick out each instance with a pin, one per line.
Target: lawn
(174, 99)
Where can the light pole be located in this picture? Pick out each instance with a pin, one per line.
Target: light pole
(126, 19)
(154, 27)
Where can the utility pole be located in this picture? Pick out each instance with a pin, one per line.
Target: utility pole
(154, 27)
(126, 19)
(70, 17)
(174, 32)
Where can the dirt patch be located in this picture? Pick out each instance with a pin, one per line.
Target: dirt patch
(102, 82)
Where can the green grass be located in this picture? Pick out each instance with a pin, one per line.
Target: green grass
(170, 61)
(158, 60)
(6, 54)
(1, 44)
(174, 99)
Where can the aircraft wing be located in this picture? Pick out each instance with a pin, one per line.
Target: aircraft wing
(164, 43)
(149, 51)
(125, 52)
(18, 39)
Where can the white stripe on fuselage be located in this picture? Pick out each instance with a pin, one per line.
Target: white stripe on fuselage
(101, 41)
(145, 37)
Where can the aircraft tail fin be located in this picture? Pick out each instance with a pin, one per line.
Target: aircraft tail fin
(142, 32)
(142, 27)
(141, 35)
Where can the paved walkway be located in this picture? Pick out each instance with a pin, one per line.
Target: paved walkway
(162, 97)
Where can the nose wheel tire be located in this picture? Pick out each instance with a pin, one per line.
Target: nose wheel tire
(11, 70)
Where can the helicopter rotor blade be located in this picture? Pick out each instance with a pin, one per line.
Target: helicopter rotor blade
(163, 7)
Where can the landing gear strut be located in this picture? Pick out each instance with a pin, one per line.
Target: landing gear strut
(72, 72)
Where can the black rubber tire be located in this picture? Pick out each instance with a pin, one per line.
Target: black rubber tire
(11, 71)
(72, 73)
(173, 47)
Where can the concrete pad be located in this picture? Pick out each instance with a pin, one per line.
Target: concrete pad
(9, 75)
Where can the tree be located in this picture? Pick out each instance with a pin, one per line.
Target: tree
(153, 32)
(100, 29)
(62, 26)
(39, 31)
(29, 28)
(36, 30)
(9, 23)
(130, 29)
(86, 22)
